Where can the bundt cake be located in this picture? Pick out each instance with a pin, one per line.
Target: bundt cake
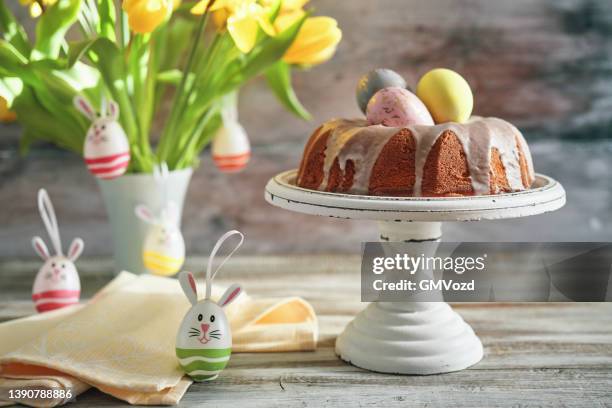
(478, 157)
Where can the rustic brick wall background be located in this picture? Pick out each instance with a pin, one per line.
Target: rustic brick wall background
(542, 64)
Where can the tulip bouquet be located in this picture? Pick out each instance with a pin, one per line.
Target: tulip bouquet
(141, 53)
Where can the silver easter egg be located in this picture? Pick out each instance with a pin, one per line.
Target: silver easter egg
(373, 82)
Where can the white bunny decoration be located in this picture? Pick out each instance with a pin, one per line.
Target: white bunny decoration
(163, 252)
(57, 283)
(204, 339)
(231, 149)
(106, 149)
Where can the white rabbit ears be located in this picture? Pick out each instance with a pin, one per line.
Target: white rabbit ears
(190, 289)
(169, 215)
(47, 213)
(188, 282)
(230, 295)
(188, 285)
(109, 108)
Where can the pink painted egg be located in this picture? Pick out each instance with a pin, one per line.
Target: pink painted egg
(397, 107)
(231, 149)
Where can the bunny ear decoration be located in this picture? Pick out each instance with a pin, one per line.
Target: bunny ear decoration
(188, 285)
(47, 213)
(82, 105)
(170, 214)
(161, 174)
(76, 248)
(211, 275)
(41, 249)
(143, 212)
(112, 110)
(230, 295)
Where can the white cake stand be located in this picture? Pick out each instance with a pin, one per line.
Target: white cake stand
(412, 337)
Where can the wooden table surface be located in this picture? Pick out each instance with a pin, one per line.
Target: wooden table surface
(536, 355)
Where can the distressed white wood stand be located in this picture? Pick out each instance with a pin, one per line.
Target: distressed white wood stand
(412, 337)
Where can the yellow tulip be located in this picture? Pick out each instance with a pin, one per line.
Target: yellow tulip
(243, 20)
(144, 16)
(6, 115)
(315, 43)
(202, 5)
(286, 5)
(35, 6)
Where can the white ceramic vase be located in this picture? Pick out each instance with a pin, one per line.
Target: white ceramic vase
(121, 195)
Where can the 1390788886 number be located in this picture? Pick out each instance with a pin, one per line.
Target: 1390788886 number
(46, 393)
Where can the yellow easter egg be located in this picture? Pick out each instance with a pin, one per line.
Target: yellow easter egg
(447, 95)
(161, 264)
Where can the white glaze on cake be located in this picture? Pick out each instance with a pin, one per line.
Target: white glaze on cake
(356, 141)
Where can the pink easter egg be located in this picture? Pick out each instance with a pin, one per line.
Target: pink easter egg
(397, 107)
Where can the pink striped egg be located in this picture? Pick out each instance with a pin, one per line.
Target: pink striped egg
(55, 299)
(57, 282)
(106, 151)
(231, 149)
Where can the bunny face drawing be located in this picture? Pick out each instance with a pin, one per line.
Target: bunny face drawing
(57, 282)
(106, 149)
(204, 339)
(164, 248)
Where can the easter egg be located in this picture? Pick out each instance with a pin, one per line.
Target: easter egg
(447, 95)
(163, 250)
(203, 364)
(373, 82)
(106, 150)
(56, 285)
(161, 264)
(204, 341)
(231, 149)
(397, 107)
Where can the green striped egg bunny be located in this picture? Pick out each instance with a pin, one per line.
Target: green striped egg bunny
(204, 339)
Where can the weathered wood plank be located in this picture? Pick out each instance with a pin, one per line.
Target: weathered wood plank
(535, 354)
(257, 387)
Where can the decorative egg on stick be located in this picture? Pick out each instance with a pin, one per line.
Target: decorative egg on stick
(204, 339)
(163, 251)
(106, 149)
(57, 282)
(447, 95)
(373, 82)
(231, 149)
(397, 107)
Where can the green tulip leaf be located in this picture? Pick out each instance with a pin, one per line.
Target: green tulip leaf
(108, 16)
(108, 59)
(12, 31)
(279, 80)
(52, 27)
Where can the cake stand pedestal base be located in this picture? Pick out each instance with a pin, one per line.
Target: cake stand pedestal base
(410, 337)
(414, 336)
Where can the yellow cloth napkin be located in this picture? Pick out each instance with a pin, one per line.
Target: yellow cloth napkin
(122, 340)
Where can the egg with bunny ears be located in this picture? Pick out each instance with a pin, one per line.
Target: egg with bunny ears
(163, 251)
(106, 149)
(57, 282)
(204, 339)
